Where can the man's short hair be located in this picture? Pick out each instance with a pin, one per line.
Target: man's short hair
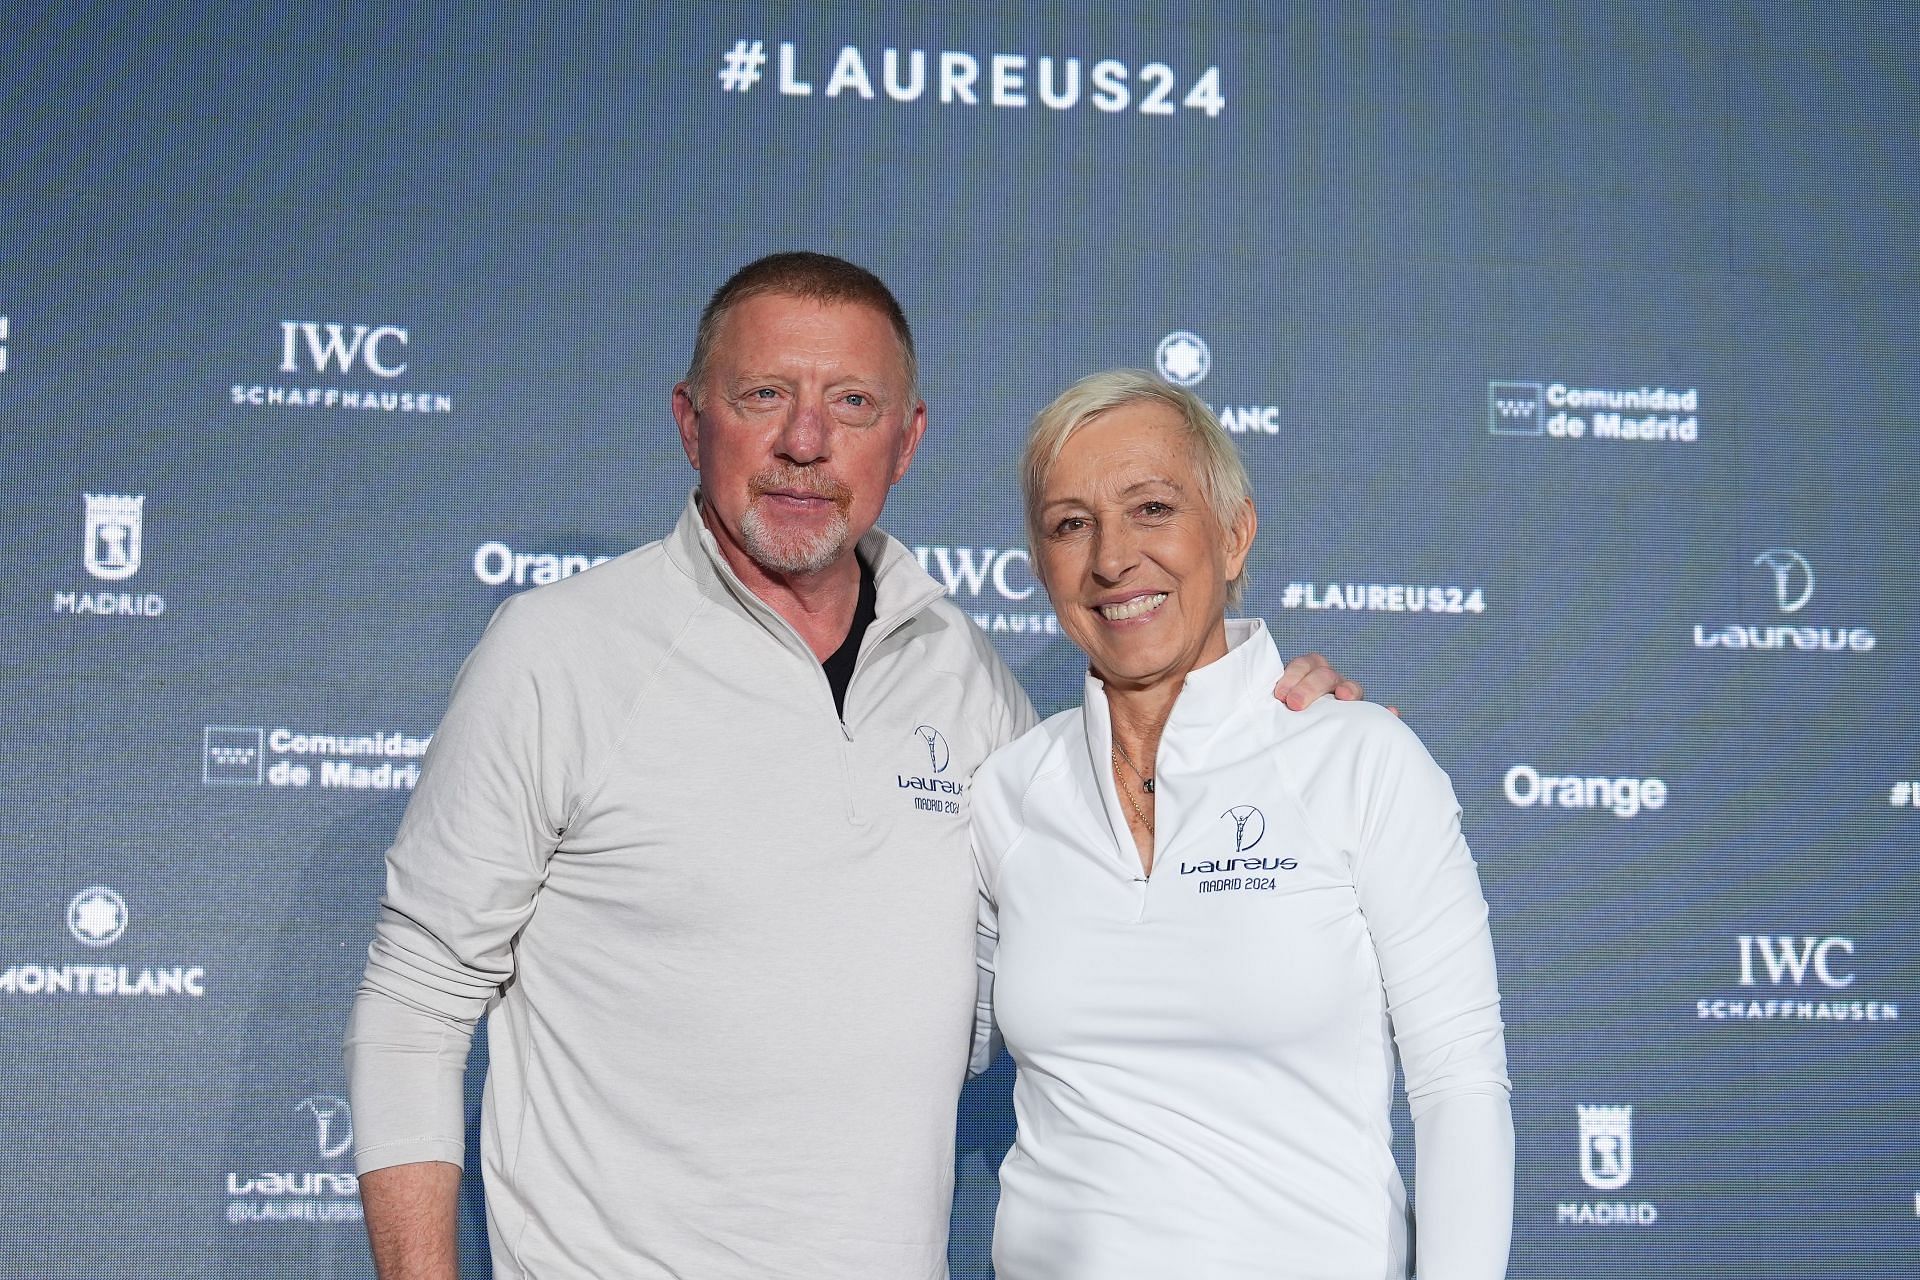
(1224, 482)
(816, 277)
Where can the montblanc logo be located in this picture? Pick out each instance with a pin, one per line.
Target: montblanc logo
(325, 349)
(1790, 575)
(332, 1124)
(1249, 826)
(937, 752)
(96, 916)
(1182, 358)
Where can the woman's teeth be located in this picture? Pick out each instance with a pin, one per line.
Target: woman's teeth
(1132, 608)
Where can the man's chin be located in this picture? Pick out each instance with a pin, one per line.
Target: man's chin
(794, 551)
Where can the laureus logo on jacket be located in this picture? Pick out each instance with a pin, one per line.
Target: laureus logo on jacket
(1248, 827)
(931, 752)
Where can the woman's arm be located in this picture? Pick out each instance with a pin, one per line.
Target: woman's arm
(1420, 892)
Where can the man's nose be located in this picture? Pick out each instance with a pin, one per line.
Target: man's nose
(803, 437)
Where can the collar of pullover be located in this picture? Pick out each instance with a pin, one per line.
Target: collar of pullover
(902, 588)
(1209, 696)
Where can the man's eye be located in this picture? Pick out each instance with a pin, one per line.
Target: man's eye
(857, 400)
(763, 393)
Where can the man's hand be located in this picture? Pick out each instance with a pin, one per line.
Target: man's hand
(1309, 677)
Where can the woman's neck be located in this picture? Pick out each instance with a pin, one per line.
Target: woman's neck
(1140, 711)
(1138, 716)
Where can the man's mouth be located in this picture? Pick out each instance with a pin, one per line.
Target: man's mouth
(1137, 607)
(802, 496)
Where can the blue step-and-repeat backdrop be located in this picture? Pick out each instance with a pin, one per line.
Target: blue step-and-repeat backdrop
(1575, 350)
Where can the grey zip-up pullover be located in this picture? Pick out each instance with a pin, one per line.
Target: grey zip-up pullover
(724, 937)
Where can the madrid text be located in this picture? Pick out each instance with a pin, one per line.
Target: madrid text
(1672, 415)
(108, 604)
(338, 760)
(1607, 1213)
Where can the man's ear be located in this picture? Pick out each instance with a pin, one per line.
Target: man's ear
(688, 419)
(911, 433)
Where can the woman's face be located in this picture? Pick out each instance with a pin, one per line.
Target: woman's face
(1130, 551)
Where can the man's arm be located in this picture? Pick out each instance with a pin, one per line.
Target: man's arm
(462, 876)
(411, 1214)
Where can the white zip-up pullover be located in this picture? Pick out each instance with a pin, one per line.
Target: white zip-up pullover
(1205, 1061)
(725, 938)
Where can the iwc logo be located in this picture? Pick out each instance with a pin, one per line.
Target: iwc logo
(1182, 358)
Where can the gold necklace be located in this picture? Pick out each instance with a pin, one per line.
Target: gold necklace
(1126, 793)
(1146, 783)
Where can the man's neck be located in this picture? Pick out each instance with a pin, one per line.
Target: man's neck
(819, 606)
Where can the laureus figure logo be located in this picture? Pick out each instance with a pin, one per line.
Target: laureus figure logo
(1790, 570)
(937, 754)
(326, 1109)
(1249, 826)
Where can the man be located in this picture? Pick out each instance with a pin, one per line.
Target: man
(693, 833)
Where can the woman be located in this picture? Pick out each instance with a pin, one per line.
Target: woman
(1202, 916)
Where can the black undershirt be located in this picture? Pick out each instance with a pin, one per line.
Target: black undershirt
(839, 664)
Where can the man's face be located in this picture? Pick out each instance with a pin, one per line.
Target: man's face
(802, 425)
